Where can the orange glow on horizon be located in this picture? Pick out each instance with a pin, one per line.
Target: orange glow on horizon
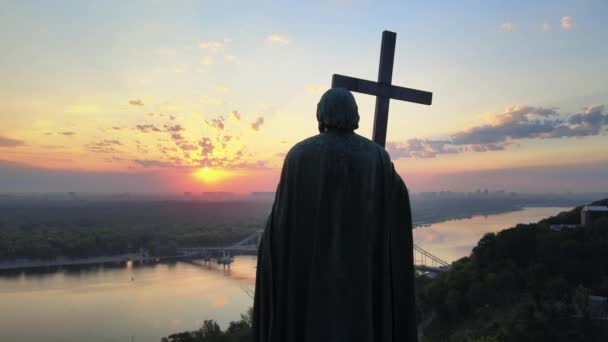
(217, 179)
(211, 176)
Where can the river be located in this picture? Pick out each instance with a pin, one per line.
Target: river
(145, 303)
(451, 240)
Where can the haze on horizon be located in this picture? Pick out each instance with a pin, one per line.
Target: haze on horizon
(206, 96)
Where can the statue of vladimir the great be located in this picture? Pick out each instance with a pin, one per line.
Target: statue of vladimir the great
(336, 259)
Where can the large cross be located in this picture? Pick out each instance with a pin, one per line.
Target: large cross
(383, 89)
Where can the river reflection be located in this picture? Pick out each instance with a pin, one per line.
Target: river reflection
(452, 240)
(117, 304)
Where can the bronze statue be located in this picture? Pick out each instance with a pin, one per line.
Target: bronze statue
(335, 261)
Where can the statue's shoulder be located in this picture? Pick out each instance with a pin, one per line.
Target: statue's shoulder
(371, 147)
(352, 142)
(304, 146)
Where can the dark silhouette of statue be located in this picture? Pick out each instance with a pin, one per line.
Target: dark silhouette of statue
(335, 261)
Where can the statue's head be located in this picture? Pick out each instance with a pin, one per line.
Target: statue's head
(337, 110)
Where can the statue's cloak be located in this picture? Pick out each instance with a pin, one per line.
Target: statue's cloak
(336, 259)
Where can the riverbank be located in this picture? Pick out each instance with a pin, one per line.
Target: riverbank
(63, 261)
(428, 221)
(120, 259)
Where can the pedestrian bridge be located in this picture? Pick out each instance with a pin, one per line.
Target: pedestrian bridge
(424, 261)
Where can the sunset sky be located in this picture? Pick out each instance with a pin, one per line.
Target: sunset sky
(156, 96)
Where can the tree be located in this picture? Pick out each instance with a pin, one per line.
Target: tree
(209, 331)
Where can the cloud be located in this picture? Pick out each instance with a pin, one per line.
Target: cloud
(589, 121)
(515, 123)
(525, 122)
(105, 146)
(236, 115)
(223, 152)
(486, 147)
(217, 123)
(277, 39)
(152, 163)
(316, 89)
(187, 147)
(148, 128)
(257, 124)
(567, 22)
(213, 45)
(136, 103)
(506, 26)
(68, 134)
(222, 88)
(166, 149)
(8, 142)
(420, 148)
(207, 146)
(178, 150)
(546, 27)
(207, 60)
(226, 140)
(174, 128)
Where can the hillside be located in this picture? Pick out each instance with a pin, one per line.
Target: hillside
(527, 283)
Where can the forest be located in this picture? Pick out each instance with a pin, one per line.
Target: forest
(79, 227)
(85, 229)
(526, 283)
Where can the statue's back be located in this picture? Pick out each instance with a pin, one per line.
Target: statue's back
(327, 262)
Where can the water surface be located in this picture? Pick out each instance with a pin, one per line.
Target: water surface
(118, 304)
(451, 240)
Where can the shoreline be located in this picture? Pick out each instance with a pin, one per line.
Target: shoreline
(422, 224)
(24, 264)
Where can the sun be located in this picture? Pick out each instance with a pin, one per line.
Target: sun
(209, 176)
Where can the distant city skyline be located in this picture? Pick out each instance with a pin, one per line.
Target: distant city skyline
(198, 96)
